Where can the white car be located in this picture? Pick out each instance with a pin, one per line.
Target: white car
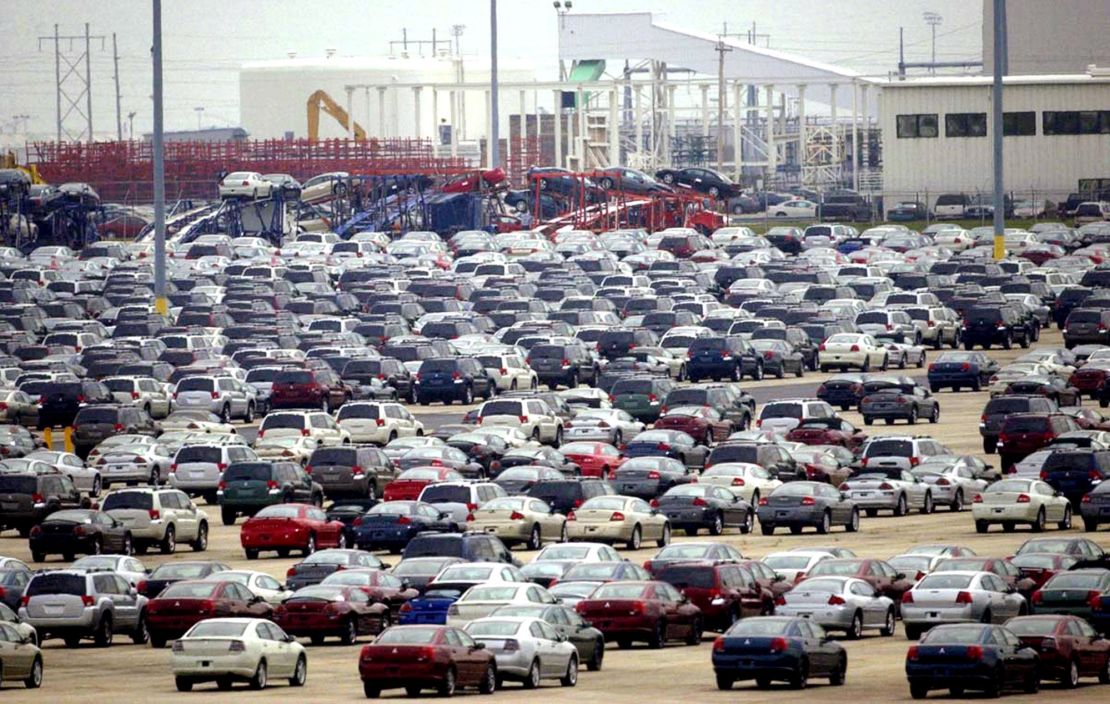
(781, 417)
(158, 518)
(533, 417)
(377, 422)
(245, 184)
(85, 478)
(1016, 372)
(509, 371)
(313, 424)
(793, 566)
(124, 565)
(1027, 501)
(578, 552)
(259, 583)
(849, 349)
(482, 599)
(746, 481)
(226, 650)
(141, 392)
(955, 239)
(131, 459)
(892, 489)
(797, 208)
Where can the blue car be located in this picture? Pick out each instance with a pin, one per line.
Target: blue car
(777, 648)
(981, 657)
(431, 607)
(390, 525)
(956, 370)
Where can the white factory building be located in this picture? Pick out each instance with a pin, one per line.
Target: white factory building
(936, 135)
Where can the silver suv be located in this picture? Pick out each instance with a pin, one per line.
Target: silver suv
(225, 396)
(197, 469)
(72, 605)
(159, 518)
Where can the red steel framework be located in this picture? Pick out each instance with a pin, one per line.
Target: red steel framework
(124, 170)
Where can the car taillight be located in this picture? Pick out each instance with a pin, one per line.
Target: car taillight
(403, 520)
(571, 516)
(215, 395)
(806, 501)
(308, 469)
(821, 347)
(911, 654)
(700, 502)
(380, 422)
(261, 433)
(37, 498)
(80, 398)
(763, 501)
(87, 600)
(653, 474)
(154, 514)
(977, 499)
(1023, 498)
(778, 645)
(719, 644)
(118, 427)
(1086, 498)
(907, 597)
(565, 362)
(221, 485)
(886, 487)
(855, 348)
(737, 481)
(134, 395)
(963, 598)
(357, 521)
(914, 461)
(271, 484)
(943, 482)
(522, 419)
(836, 600)
(357, 471)
(516, 516)
(304, 432)
(617, 516)
(664, 447)
(236, 646)
(1094, 475)
(1037, 597)
(974, 652)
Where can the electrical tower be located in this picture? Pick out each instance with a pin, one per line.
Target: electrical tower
(73, 85)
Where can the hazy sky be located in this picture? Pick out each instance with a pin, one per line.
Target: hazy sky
(206, 40)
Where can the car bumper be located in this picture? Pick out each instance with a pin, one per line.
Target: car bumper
(874, 499)
(837, 619)
(789, 516)
(841, 359)
(241, 666)
(950, 379)
(507, 532)
(640, 489)
(598, 532)
(934, 615)
(1019, 513)
(748, 666)
(588, 434)
(514, 665)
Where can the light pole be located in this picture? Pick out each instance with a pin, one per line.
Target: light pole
(562, 8)
(160, 305)
(495, 132)
(200, 113)
(933, 19)
(131, 124)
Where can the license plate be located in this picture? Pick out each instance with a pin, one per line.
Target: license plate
(53, 610)
(999, 510)
(11, 506)
(863, 494)
(781, 514)
(196, 474)
(934, 614)
(205, 663)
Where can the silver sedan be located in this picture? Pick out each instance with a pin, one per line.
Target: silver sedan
(610, 425)
(959, 597)
(839, 604)
(952, 485)
(527, 649)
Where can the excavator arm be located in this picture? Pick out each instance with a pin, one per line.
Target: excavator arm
(320, 100)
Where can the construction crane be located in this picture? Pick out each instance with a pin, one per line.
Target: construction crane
(320, 100)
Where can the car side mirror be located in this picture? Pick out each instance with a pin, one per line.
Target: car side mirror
(443, 515)
(479, 645)
(900, 575)
(290, 638)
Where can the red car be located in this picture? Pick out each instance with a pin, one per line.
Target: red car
(596, 459)
(379, 586)
(772, 584)
(1091, 378)
(654, 612)
(426, 657)
(725, 593)
(827, 431)
(409, 483)
(308, 388)
(702, 423)
(331, 610)
(1042, 566)
(882, 577)
(183, 604)
(1068, 647)
(285, 527)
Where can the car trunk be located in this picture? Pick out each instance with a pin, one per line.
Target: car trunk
(304, 574)
(248, 490)
(206, 647)
(944, 653)
(55, 606)
(405, 489)
(748, 645)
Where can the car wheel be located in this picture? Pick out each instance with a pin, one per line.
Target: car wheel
(350, 632)
(919, 691)
(801, 677)
(169, 541)
(902, 361)
(928, 507)
(853, 522)
(781, 371)
(141, 634)
(856, 629)
(251, 553)
(1088, 525)
(183, 684)
(258, 681)
(749, 523)
(310, 546)
(200, 544)
(957, 502)
(658, 637)
(718, 525)
(532, 679)
(1039, 523)
(488, 685)
(96, 488)
(1066, 523)
(724, 682)
(570, 678)
(228, 516)
(225, 413)
(888, 624)
(534, 539)
(901, 508)
(762, 682)
(921, 360)
(912, 420)
(1070, 678)
(636, 539)
(249, 418)
(934, 417)
(103, 635)
(872, 512)
(665, 539)
(840, 674)
(826, 523)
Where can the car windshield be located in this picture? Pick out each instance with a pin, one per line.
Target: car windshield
(408, 635)
(944, 581)
(618, 590)
(189, 590)
(954, 635)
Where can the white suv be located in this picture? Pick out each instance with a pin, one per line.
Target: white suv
(141, 392)
(783, 416)
(224, 396)
(900, 451)
(533, 416)
(509, 371)
(310, 424)
(377, 422)
(159, 517)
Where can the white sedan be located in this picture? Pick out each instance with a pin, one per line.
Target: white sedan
(245, 184)
(226, 650)
(259, 583)
(609, 425)
(797, 208)
(849, 349)
(377, 422)
(1013, 501)
(745, 480)
(957, 240)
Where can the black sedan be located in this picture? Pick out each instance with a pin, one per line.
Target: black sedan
(971, 656)
(844, 390)
(623, 571)
(543, 456)
(442, 456)
(314, 568)
(485, 449)
(705, 181)
(650, 477)
(347, 512)
(956, 370)
(780, 357)
(777, 648)
(1095, 507)
(621, 178)
(1048, 386)
(899, 403)
(801, 504)
(392, 524)
(171, 572)
(516, 481)
(667, 443)
(79, 532)
(694, 507)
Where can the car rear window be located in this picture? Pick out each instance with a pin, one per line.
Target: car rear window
(438, 365)
(1084, 316)
(781, 410)
(633, 386)
(546, 352)
(17, 485)
(1064, 461)
(250, 471)
(284, 420)
(96, 415)
(129, 499)
(682, 577)
(551, 490)
(1000, 406)
(437, 494)
(293, 376)
(335, 455)
(71, 584)
(199, 453)
(501, 408)
(434, 546)
(889, 448)
(1025, 424)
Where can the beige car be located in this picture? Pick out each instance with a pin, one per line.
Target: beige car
(1027, 501)
(141, 392)
(521, 520)
(17, 407)
(745, 480)
(618, 519)
(287, 449)
(20, 658)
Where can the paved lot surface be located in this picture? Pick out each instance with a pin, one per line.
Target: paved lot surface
(129, 673)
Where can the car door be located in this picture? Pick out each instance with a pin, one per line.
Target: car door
(874, 608)
(466, 657)
(650, 519)
(184, 513)
(821, 653)
(15, 655)
(734, 510)
(124, 598)
(553, 657)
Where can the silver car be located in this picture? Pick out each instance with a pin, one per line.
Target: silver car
(527, 649)
(610, 425)
(74, 604)
(224, 396)
(952, 485)
(197, 469)
(959, 597)
(889, 489)
(840, 604)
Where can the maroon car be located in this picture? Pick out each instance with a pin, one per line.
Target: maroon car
(426, 657)
(341, 611)
(1023, 434)
(703, 424)
(654, 612)
(1090, 379)
(1068, 647)
(1042, 566)
(183, 604)
(380, 586)
(308, 388)
(827, 431)
(725, 593)
(882, 577)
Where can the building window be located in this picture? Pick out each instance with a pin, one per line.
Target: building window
(914, 126)
(1068, 122)
(1019, 124)
(965, 124)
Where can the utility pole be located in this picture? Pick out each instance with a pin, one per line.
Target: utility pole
(494, 136)
(996, 127)
(131, 124)
(74, 86)
(933, 19)
(160, 305)
(119, 115)
(721, 50)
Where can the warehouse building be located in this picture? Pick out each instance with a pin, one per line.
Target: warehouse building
(936, 136)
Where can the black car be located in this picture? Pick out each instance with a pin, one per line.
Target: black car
(804, 503)
(705, 181)
(347, 511)
(648, 477)
(844, 390)
(79, 532)
(726, 357)
(543, 456)
(392, 524)
(520, 480)
(59, 402)
(770, 456)
(359, 375)
(470, 547)
(1076, 472)
(27, 499)
(777, 648)
(565, 495)
(416, 572)
(94, 424)
(981, 657)
(171, 572)
(459, 379)
(956, 370)
(1095, 507)
(314, 568)
(693, 507)
(673, 444)
(617, 343)
(996, 410)
(987, 325)
(563, 364)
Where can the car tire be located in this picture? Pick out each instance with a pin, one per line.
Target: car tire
(928, 506)
(225, 413)
(200, 543)
(724, 682)
(310, 545)
(853, 522)
(718, 525)
(258, 680)
(658, 637)
(349, 635)
(888, 625)
(251, 553)
(183, 684)
(934, 417)
(1065, 524)
(96, 487)
(141, 634)
(1089, 526)
(249, 418)
(918, 691)
(826, 523)
(762, 682)
(749, 523)
(157, 641)
(168, 545)
(570, 678)
(103, 636)
(855, 631)
(1070, 678)
(1039, 523)
(840, 674)
(665, 539)
(531, 680)
(535, 539)
(901, 508)
(767, 528)
(300, 673)
(696, 631)
(957, 504)
(800, 679)
(636, 539)
(868, 420)
(488, 685)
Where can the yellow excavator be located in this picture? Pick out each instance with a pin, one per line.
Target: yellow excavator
(8, 161)
(320, 100)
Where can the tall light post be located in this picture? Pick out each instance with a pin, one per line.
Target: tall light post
(200, 114)
(160, 305)
(495, 131)
(933, 19)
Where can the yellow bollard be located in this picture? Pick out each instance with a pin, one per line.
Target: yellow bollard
(69, 438)
(48, 438)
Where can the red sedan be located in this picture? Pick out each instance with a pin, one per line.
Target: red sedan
(337, 610)
(409, 483)
(702, 423)
(654, 612)
(596, 459)
(285, 527)
(1042, 566)
(183, 604)
(426, 657)
(1068, 647)
(827, 431)
(379, 586)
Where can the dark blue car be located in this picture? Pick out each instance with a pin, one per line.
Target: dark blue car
(956, 370)
(431, 606)
(981, 657)
(392, 524)
(1075, 472)
(777, 648)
